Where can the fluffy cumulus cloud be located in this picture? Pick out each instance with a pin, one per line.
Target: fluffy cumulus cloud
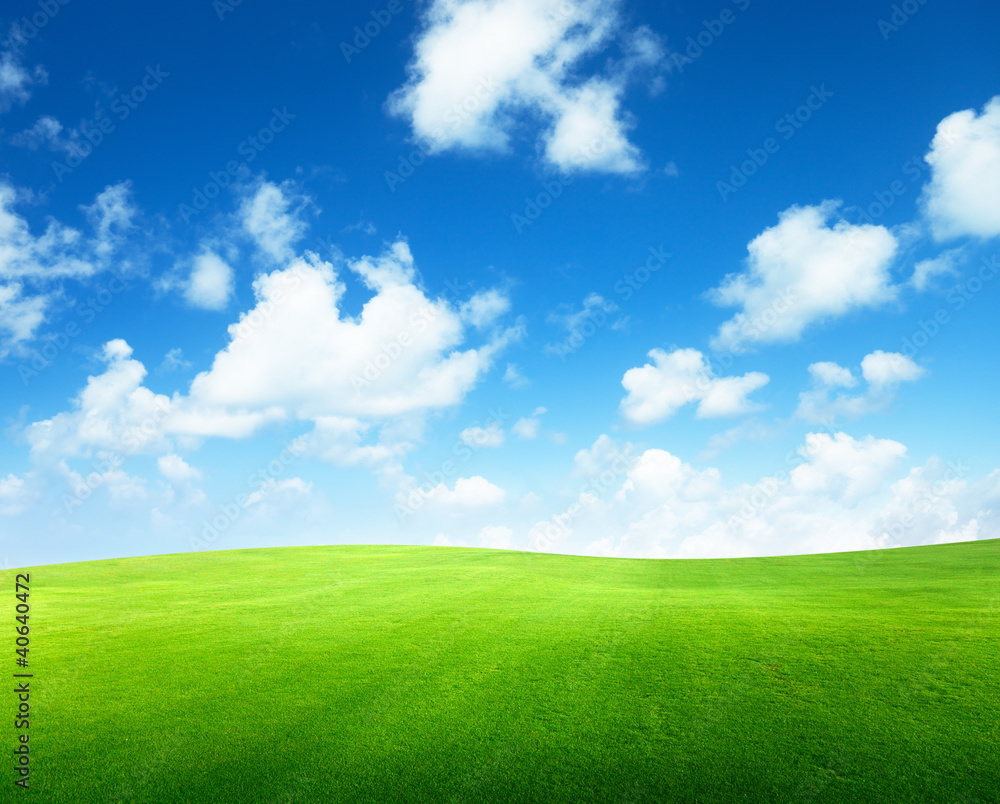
(210, 284)
(481, 67)
(803, 270)
(270, 217)
(468, 491)
(963, 194)
(296, 349)
(883, 373)
(659, 389)
(363, 382)
(835, 493)
(114, 414)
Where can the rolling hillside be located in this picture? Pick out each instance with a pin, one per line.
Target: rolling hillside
(418, 674)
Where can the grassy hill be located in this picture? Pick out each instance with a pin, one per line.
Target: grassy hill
(417, 674)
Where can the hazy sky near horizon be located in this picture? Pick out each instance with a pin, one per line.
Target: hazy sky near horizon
(610, 278)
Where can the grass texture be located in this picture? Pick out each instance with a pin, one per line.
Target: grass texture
(431, 674)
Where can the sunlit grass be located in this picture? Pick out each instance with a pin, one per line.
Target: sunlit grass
(412, 674)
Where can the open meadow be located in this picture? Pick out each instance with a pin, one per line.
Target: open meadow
(432, 674)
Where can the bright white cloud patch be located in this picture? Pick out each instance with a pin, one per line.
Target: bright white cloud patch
(483, 309)
(802, 271)
(210, 284)
(963, 194)
(468, 491)
(176, 470)
(659, 389)
(297, 351)
(882, 371)
(114, 414)
(832, 374)
(481, 66)
(836, 493)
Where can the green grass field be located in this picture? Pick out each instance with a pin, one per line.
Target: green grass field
(419, 674)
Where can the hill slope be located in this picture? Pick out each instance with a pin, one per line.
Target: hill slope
(412, 674)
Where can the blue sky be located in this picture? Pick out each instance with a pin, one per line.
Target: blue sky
(580, 276)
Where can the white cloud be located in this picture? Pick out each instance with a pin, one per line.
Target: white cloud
(480, 66)
(882, 371)
(945, 263)
(659, 389)
(32, 266)
(840, 493)
(832, 374)
(514, 378)
(844, 466)
(114, 413)
(14, 495)
(483, 309)
(590, 461)
(15, 79)
(111, 216)
(297, 351)
(173, 360)
(20, 315)
(579, 325)
(269, 218)
(482, 436)
(46, 131)
(527, 428)
(176, 470)
(963, 194)
(210, 284)
(365, 382)
(468, 491)
(272, 490)
(803, 271)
